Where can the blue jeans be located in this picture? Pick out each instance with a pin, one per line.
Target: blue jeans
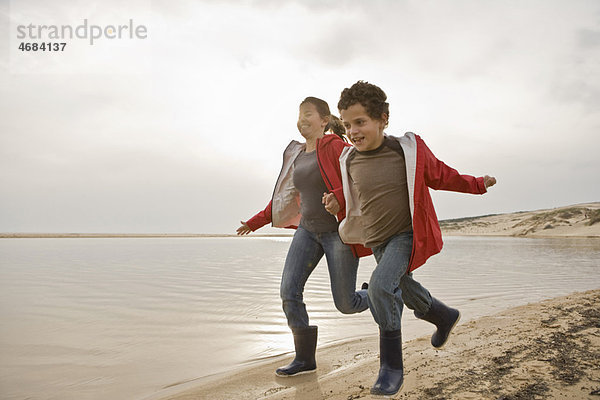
(305, 251)
(391, 287)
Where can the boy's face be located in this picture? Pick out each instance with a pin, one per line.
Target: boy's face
(363, 131)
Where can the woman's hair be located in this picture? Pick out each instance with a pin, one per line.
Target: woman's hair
(334, 125)
(371, 97)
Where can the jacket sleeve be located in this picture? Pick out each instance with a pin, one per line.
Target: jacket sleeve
(338, 191)
(439, 176)
(339, 195)
(261, 219)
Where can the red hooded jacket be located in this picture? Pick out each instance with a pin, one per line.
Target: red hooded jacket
(423, 171)
(286, 212)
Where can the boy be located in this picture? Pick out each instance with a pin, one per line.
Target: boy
(388, 208)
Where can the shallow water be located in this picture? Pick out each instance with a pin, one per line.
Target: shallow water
(123, 318)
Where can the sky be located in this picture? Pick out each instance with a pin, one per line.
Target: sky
(182, 131)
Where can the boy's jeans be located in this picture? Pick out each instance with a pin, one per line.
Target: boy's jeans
(391, 287)
(305, 251)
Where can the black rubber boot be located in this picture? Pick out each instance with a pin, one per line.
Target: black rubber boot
(443, 317)
(391, 370)
(305, 341)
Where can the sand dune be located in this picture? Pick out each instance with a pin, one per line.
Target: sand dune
(581, 220)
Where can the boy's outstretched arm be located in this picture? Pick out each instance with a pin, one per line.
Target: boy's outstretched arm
(440, 176)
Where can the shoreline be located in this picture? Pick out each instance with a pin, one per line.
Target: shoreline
(130, 235)
(548, 349)
(574, 221)
(208, 235)
(445, 233)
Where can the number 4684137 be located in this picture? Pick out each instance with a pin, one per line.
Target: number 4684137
(49, 46)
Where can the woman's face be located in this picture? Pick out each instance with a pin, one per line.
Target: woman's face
(310, 124)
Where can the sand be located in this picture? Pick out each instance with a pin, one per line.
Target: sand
(580, 220)
(546, 350)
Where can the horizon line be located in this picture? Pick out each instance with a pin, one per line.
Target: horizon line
(18, 235)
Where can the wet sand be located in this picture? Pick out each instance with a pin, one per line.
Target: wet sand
(541, 350)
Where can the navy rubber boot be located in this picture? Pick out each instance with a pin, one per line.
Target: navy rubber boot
(391, 369)
(444, 318)
(305, 341)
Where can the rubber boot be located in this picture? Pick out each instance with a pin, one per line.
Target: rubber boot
(305, 341)
(391, 370)
(443, 317)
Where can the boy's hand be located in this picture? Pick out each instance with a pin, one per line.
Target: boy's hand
(489, 181)
(331, 204)
(244, 229)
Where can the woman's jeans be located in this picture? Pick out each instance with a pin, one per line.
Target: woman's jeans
(391, 287)
(305, 251)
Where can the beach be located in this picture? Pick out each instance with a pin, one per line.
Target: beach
(549, 349)
(129, 316)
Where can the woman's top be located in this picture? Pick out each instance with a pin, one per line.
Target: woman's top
(309, 182)
(283, 210)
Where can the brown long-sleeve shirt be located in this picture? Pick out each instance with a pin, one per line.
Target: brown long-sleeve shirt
(380, 177)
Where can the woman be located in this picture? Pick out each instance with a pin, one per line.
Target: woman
(309, 170)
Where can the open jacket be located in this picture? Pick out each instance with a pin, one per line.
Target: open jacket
(283, 211)
(423, 171)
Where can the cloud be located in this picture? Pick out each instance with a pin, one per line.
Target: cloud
(184, 132)
(589, 38)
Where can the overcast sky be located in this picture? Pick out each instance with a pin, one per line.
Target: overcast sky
(184, 131)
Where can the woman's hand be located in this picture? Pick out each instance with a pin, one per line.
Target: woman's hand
(331, 204)
(244, 229)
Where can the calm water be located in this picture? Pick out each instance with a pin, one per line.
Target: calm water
(123, 318)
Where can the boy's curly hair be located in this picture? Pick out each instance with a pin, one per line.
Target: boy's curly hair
(371, 97)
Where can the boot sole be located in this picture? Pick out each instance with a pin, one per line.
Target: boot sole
(449, 333)
(296, 374)
(390, 394)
